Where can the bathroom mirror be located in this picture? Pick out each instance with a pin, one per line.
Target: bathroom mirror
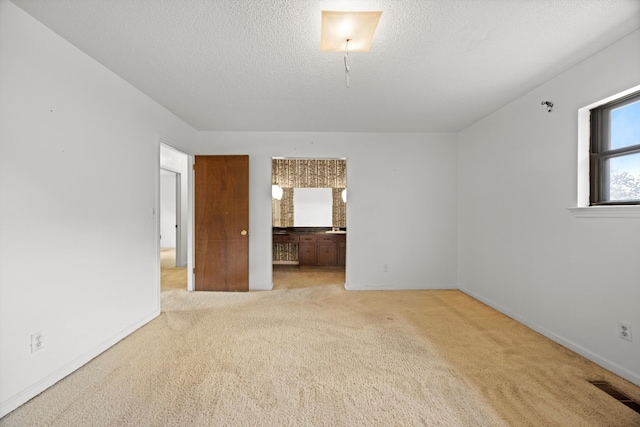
(313, 207)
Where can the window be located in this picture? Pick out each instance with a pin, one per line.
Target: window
(615, 152)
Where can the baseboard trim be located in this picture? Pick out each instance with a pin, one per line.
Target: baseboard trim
(582, 351)
(46, 382)
(416, 287)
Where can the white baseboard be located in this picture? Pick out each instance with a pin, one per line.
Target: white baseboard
(405, 287)
(46, 382)
(594, 357)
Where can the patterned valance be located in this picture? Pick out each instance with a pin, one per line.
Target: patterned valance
(309, 173)
(305, 173)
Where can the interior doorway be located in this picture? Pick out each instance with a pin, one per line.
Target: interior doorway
(173, 217)
(309, 233)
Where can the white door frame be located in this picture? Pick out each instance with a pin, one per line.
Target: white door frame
(181, 249)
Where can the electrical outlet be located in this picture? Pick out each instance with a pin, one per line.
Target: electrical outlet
(385, 268)
(37, 341)
(624, 330)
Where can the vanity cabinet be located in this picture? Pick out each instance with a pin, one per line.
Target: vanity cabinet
(317, 249)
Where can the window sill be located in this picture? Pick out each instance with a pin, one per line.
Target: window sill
(618, 211)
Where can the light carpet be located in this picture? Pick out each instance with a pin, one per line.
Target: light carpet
(320, 355)
(302, 357)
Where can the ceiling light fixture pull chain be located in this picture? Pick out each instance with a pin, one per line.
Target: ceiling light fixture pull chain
(346, 62)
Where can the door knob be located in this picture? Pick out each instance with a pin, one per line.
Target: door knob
(243, 232)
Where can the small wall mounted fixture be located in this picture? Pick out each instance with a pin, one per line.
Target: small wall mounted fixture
(276, 192)
(549, 105)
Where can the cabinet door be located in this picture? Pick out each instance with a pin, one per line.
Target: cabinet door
(307, 253)
(326, 253)
(342, 250)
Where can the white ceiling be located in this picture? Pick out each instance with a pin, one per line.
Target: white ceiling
(434, 65)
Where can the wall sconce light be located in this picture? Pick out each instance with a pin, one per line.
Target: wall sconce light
(276, 192)
(348, 32)
(549, 105)
(344, 195)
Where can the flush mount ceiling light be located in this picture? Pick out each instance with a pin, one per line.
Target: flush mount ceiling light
(357, 27)
(348, 32)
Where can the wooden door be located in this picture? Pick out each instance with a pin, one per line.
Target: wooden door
(221, 223)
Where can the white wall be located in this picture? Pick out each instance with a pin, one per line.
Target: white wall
(168, 203)
(401, 209)
(520, 249)
(78, 251)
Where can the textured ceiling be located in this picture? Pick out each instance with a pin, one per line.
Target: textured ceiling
(434, 65)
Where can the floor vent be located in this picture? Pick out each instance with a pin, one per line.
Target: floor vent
(620, 397)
